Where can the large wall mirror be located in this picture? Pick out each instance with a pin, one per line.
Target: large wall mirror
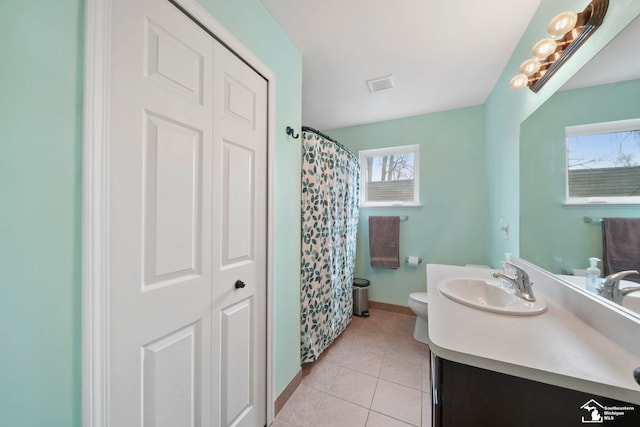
(553, 233)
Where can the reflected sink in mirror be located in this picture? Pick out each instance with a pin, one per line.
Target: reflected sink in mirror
(489, 295)
(553, 234)
(630, 301)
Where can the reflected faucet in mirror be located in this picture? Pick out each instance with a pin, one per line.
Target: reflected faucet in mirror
(553, 233)
(611, 286)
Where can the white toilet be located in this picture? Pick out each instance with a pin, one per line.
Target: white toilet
(418, 303)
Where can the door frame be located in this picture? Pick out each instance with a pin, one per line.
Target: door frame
(95, 201)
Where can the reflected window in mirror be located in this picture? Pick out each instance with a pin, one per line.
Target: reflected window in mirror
(603, 163)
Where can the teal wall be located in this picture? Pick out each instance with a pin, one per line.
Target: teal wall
(505, 109)
(41, 51)
(41, 45)
(40, 224)
(449, 226)
(499, 147)
(553, 236)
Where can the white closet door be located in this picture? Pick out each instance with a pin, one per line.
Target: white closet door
(187, 225)
(240, 240)
(160, 166)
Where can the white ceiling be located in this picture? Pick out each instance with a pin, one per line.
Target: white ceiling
(443, 54)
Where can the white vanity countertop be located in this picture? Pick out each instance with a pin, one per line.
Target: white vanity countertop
(555, 347)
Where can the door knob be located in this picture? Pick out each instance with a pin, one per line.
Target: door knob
(240, 284)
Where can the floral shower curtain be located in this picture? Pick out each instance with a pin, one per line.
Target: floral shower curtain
(330, 192)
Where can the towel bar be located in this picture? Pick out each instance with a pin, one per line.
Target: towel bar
(589, 220)
(403, 218)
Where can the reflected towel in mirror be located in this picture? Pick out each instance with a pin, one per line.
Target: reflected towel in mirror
(621, 246)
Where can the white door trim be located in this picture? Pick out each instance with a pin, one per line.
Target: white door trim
(95, 244)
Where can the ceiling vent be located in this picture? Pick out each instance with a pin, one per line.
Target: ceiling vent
(380, 83)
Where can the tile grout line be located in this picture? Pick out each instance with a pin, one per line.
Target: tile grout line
(396, 332)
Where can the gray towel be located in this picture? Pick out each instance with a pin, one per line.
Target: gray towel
(384, 241)
(621, 246)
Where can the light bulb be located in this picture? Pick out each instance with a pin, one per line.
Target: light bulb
(530, 66)
(544, 48)
(562, 24)
(519, 82)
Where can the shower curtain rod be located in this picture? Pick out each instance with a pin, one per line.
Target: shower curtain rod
(317, 132)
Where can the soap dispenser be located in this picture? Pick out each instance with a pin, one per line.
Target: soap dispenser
(593, 275)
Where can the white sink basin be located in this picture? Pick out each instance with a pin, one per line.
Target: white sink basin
(488, 295)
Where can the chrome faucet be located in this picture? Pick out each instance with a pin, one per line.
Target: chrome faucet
(611, 286)
(521, 283)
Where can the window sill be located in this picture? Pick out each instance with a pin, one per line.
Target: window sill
(600, 204)
(390, 205)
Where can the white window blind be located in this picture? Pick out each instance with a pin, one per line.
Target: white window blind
(390, 176)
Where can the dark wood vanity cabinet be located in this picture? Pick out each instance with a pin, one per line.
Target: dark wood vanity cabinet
(466, 396)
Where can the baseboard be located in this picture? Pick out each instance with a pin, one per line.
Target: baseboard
(401, 309)
(288, 391)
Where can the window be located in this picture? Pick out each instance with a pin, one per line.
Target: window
(390, 176)
(603, 163)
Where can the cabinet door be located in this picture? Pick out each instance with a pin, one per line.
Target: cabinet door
(470, 396)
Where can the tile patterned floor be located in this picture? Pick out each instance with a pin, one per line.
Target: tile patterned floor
(374, 375)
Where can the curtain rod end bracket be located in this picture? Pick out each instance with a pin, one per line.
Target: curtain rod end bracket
(291, 133)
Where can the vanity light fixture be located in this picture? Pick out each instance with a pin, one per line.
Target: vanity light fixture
(562, 24)
(569, 31)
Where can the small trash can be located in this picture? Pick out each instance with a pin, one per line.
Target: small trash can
(361, 297)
